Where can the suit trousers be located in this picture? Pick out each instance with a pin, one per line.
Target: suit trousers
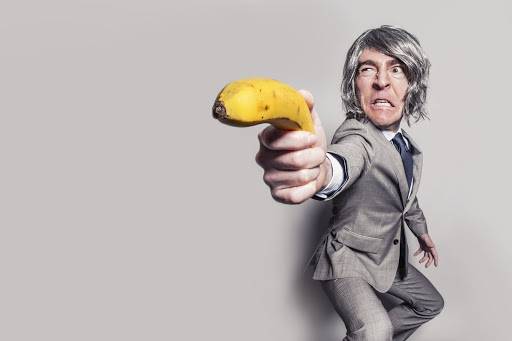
(365, 317)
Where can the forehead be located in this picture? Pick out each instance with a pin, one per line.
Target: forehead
(376, 57)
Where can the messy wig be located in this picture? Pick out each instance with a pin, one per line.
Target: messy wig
(397, 43)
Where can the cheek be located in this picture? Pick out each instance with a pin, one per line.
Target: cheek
(361, 92)
(402, 90)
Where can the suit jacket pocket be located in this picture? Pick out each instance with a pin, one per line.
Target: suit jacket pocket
(360, 242)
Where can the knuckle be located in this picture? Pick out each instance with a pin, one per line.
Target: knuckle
(263, 137)
(293, 159)
(276, 195)
(304, 176)
(283, 196)
(257, 158)
(299, 158)
(270, 135)
(263, 157)
(295, 197)
(303, 140)
(268, 178)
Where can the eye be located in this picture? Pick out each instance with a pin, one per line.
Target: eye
(367, 71)
(397, 69)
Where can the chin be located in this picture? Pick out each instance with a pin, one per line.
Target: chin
(384, 120)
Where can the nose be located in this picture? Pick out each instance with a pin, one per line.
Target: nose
(381, 80)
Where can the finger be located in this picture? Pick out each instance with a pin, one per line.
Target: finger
(278, 139)
(282, 179)
(430, 260)
(308, 97)
(262, 156)
(424, 258)
(435, 255)
(310, 101)
(417, 252)
(293, 160)
(289, 160)
(294, 195)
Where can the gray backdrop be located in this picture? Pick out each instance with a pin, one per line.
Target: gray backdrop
(128, 213)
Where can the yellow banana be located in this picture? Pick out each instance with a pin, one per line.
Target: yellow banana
(247, 102)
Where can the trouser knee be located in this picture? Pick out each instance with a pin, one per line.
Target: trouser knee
(433, 308)
(377, 330)
(438, 305)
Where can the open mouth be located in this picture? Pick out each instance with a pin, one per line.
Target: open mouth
(382, 103)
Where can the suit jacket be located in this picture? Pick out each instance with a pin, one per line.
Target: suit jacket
(369, 209)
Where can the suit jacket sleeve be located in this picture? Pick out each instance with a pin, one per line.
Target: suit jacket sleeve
(353, 149)
(415, 219)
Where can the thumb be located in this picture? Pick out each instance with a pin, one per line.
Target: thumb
(310, 101)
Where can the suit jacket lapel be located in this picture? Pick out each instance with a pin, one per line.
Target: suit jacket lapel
(417, 157)
(396, 162)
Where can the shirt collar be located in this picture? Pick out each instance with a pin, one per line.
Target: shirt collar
(389, 134)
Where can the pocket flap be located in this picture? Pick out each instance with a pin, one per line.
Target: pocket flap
(359, 242)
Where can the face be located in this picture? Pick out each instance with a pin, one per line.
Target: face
(381, 86)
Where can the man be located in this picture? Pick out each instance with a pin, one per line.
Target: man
(371, 171)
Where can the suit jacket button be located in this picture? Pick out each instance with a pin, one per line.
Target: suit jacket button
(395, 241)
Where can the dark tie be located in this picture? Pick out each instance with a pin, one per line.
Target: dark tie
(406, 156)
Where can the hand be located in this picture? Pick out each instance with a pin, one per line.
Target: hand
(294, 162)
(429, 250)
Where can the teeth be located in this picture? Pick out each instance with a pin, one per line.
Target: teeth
(382, 104)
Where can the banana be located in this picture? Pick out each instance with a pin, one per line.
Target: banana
(247, 102)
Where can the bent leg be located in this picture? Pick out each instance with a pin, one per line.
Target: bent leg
(360, 309)
(421, 303)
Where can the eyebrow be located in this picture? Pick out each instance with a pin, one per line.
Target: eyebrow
(371, 62)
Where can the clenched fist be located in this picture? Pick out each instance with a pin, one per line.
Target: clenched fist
(294, 162)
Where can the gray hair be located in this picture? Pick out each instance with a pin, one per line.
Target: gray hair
(397, 43)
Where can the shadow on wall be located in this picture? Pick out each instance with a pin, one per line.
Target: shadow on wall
(324, 323)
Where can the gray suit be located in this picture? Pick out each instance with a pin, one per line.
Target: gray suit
(362, 244)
